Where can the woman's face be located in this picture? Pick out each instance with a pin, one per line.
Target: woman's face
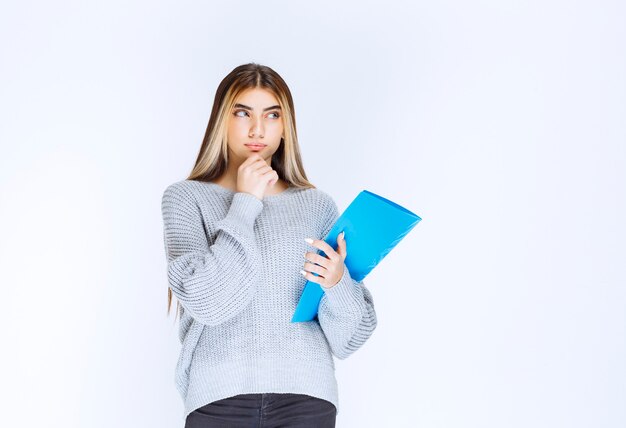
(255, 118)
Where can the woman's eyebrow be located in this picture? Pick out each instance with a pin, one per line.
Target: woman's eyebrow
(250, 108)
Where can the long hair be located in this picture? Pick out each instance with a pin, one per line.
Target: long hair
(212, 158)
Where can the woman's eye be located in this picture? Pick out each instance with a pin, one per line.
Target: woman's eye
(236, 113)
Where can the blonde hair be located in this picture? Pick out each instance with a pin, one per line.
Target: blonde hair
(213, 155)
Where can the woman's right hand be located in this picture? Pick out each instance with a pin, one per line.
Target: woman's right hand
(254, 175)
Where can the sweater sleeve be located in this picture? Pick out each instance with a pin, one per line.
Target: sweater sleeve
(213, 282)
(346, 311)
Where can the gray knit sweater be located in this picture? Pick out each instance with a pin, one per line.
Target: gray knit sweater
(233, 262)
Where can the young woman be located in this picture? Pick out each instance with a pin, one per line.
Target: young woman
(234, 234)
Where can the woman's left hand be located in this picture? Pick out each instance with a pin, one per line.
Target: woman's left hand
(330, 268)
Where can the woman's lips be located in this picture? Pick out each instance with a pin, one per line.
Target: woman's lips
(255, 146)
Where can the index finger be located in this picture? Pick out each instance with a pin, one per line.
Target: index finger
(324, 246)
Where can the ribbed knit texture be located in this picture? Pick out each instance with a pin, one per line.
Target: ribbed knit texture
(233, 262)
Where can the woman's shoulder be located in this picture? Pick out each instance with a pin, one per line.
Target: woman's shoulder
(192, 193)
(179, 189)
(315, 191)
(325, 197)
(322, 193)
(318, 196)
(190, 187)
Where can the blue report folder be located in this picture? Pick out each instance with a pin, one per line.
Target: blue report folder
(373, 226)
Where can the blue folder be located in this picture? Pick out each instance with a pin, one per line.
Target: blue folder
(373, 226)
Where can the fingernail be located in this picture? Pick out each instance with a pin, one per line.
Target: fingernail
(309, 240)
(303, 273)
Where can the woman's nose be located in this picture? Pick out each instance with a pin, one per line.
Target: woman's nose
(257, 127)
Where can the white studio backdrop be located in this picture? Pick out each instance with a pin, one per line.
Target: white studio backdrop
(500, 123)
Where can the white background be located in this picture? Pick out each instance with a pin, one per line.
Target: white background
(502, 124)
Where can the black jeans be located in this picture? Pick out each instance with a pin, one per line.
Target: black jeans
(268, 410)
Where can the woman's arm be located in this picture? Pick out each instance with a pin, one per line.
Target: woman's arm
(346, 311)
(213, 282)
